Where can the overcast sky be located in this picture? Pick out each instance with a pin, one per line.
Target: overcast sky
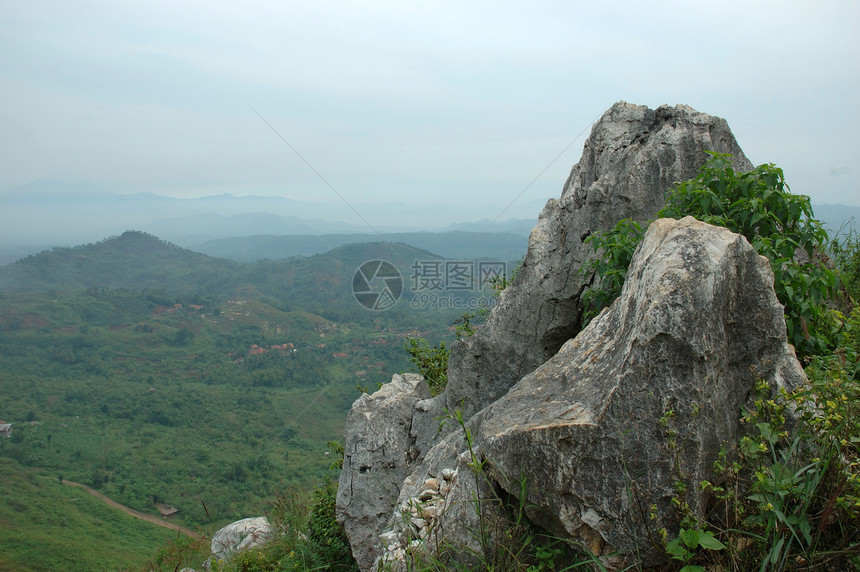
(451, 103)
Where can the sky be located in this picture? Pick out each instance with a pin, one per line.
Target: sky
(458, 105)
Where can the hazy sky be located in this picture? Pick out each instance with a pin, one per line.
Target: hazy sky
(451, 103)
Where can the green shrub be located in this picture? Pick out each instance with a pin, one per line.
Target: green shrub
(182, 551)
(845, 252)
(431, 362)
(325, 533)
(792, 500)
(617, 246)
(780, 225)
(759, 205)
(308, 537)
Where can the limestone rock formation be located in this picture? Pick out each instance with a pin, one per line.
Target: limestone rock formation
(238, 536)
(677, 354)
(643, 398)
(378, 456)
(575, 412)
(632, 157)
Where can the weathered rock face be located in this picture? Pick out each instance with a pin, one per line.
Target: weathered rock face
(435, 504)
(696, 325)
(644, 397)
(378, 456)
(632, 157)
(238, 536)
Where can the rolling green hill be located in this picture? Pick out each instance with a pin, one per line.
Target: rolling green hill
(319, 284)
(132, 260)
(503, 246)
(153, 373)
(222, 405)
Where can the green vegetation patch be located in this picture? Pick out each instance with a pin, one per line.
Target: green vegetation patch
(46, 525)
(209, 408)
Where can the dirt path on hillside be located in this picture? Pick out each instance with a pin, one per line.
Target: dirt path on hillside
(130, 511)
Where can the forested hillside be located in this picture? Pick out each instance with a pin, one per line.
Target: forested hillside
(161, 376)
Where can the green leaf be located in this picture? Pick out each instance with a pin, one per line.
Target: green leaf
(707, 540)
(767, 431)
(677, 550)
(776, 551)
(690, 537)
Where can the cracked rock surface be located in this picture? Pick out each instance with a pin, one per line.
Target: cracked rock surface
(680, 351)
(632, 157)
(574, 412)
(378, 455)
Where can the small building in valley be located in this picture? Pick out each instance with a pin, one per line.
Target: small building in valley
(166, 510)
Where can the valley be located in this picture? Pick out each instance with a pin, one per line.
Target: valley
(159, 376)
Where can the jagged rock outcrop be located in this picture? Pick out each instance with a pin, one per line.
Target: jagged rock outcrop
(632, 157)
(378, 456)
(698, 318)
(237, 537)
(643, 398)
(694, 328)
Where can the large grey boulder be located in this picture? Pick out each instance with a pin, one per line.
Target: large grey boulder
(379, 454)
(632, 157)
(695, 326)
(237, 537)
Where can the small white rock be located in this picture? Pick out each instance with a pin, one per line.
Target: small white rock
(389, 536)
(431, 511)
(430, 485)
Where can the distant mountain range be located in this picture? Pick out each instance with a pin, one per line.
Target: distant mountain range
(52, 213)
(502, 246)
(44, 214)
